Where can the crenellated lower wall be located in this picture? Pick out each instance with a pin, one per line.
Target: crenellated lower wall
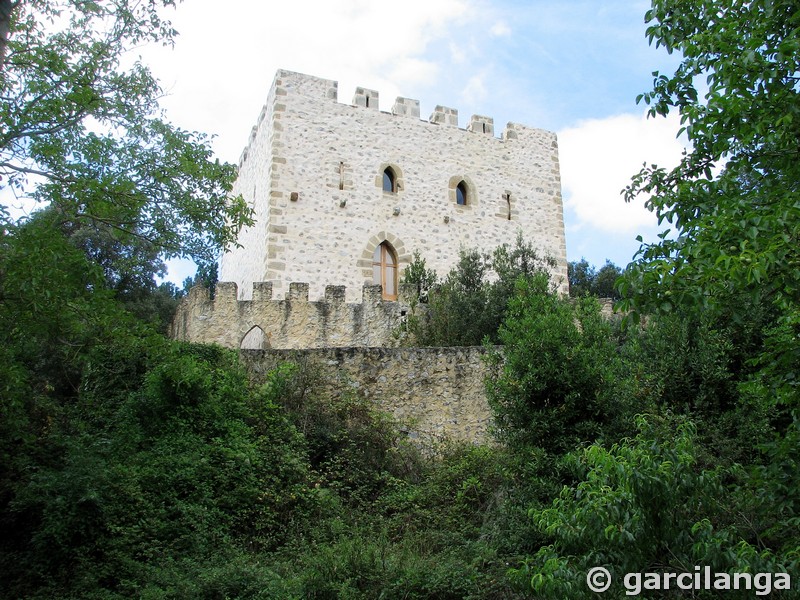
(435, 392)
(291, 322)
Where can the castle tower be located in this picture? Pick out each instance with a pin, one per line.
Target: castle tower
(345, 193)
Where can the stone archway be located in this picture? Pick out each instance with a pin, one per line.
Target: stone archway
(254, 339)
(365, 263)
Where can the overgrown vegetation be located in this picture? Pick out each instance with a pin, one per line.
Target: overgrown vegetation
(468, 305)
(134, 466)
(584, 279)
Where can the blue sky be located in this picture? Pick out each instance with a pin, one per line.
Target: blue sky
(571, 66)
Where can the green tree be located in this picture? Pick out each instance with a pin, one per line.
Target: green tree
(586, 279)
(728, 269)
(558, 377)
(605, 282)
(123, 188)
(581, 276)
(456, 313)
(733, 199)
(81, 133)
(81, 129)
(157, 478)
(417, 273)
(648, 504)
(468, 306)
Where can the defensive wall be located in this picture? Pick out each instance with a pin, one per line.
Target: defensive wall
(432, 392)
(293, 322)
(353, 346)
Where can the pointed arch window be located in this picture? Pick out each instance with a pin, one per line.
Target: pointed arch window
(461, 194)
(384, 270)
(389, 180)
(254, 339)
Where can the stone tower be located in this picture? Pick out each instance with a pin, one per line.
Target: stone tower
(345, 193)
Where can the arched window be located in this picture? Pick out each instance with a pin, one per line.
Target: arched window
(389, 181)
(461, 194)
(384, 270)
(254, 339)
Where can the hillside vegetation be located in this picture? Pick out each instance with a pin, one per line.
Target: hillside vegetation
(135, 466)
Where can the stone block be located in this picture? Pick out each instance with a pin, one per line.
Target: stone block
(444, 116)
(481, 124)
(262, 291)
(298, 291)
(366, 98)
(406, 107)
(335, 294)
(372, 294)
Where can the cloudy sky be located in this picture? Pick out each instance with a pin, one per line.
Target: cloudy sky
(570, 66)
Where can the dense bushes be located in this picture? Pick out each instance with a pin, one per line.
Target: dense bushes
(468, 305)
(560, 374)
(139, 467)
(183, 462)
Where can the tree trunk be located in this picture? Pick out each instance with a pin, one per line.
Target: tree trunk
(6, 8)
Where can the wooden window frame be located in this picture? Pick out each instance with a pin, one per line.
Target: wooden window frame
(386, 248)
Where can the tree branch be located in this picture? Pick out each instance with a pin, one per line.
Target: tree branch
(31, 171)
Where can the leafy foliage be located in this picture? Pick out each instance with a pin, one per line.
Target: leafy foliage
(645, 505)
(728, 274)
(585, 279)
(736, 231)
(468, 306)
(184, 463)
(417, 273)
(558, 371)
(83, 127)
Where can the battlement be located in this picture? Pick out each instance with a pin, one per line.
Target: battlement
(344, 194)
(290, 83)
(292, 322)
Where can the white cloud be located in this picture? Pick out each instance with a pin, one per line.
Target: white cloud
(224, 60)
(599, 157)
(500, 29)
(457, 53)
(475, 89)
(409, 70)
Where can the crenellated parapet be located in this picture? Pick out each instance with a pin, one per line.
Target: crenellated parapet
(331, 182)
(292, 322)
(289, 83)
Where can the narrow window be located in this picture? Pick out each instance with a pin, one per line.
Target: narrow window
(389, 181)
(461, 194)
(384, 270)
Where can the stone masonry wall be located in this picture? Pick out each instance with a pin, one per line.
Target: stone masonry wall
(293, 322)
(314, 168)
(254, 184)
(433, 391)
